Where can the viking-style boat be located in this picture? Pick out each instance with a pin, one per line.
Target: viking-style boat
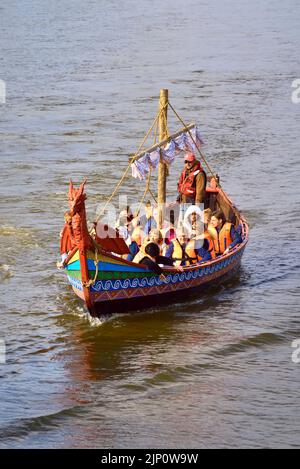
(94, 256)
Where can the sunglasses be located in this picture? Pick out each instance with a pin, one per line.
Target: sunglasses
(188, 162)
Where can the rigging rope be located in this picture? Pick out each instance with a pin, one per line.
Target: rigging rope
(201, 153)
(145, 192)
(96, 263)
(156, 120)
(190, 134)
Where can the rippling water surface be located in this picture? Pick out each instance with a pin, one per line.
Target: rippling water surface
(82, 85)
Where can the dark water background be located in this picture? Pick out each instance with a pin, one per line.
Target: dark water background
(82, 84)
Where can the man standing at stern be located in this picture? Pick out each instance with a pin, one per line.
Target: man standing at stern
(192, 182)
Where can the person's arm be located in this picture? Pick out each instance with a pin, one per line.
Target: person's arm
(165, 260)
(200, 188)
(151, 265)
(206, 255)
(170, 250)
(235, 236)
(134, 249)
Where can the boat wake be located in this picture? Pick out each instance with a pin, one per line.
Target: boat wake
(95, 321)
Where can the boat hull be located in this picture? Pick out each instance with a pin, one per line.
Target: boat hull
(138, 293)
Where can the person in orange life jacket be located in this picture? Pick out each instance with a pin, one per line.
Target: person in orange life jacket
(192, 182)
(225, 236)
(198, 248)
(176, 249)
(148, 221)
(207, 213)
(152, 259)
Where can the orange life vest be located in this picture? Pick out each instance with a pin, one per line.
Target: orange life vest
(186, 184)
(178, 253)
(191, 253)
(211, 247)
(190, 249)
(193, 258)
(221, 240)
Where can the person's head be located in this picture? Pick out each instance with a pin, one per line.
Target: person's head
(130, 215)
(189, 160)
(217, 219)
(152, 250)
(156, 236)
(148, 209)
(207, 215)
(169, 235)
(136, 235)
(181, 236)
(194, 216)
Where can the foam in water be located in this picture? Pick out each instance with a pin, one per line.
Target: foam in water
(95, 322)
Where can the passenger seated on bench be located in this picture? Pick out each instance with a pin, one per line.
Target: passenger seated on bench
(156, 237)
(168, 235)
(137, 233)
(197, 249)
(193, 220)
(205, 234)
(148, 221)
(152, 259)
(142, 252)
(225, 236)
(176, 249)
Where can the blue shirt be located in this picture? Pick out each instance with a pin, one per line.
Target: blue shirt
(202, 252)
(134, 249)
(148, 224)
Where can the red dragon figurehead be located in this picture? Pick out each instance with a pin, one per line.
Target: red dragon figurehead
(77, 199)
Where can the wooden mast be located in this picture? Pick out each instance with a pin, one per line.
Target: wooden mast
(162, 168)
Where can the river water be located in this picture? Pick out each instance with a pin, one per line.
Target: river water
(82, 82)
